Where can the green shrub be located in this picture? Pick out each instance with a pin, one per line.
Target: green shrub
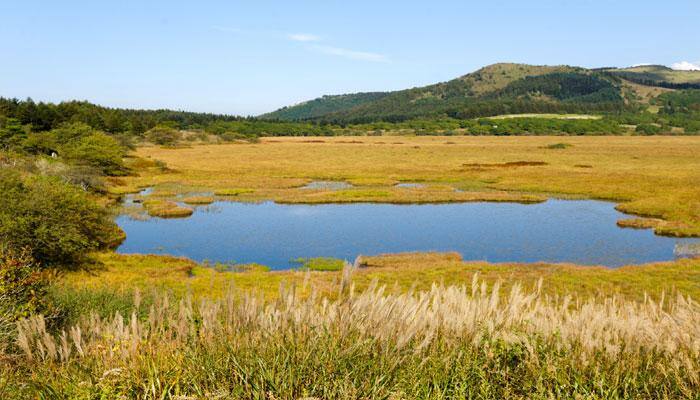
(320, 263)
(40, 143)
(99, 151)
(23, 285)
(12, 133)
(88, 178)
(557, 146)
(70, 133)
(648, 129)
(57, 222)
(163, 135)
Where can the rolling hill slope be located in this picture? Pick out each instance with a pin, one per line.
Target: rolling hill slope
(658, 75)
(499, 89)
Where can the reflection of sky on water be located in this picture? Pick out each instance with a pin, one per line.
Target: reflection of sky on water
(582, 232)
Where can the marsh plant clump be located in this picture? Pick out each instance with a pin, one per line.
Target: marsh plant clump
(166, 209)
(557, 146)
(232, 266)
(198, 200)
(320, 263)
(687, 250)
(446, 342)
(232, 191)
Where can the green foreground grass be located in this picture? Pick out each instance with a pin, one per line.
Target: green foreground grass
(401, 272)
(345, 335)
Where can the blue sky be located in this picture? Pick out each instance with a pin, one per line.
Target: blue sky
(249, 57)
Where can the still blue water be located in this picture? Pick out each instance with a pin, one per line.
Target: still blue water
(582, 232)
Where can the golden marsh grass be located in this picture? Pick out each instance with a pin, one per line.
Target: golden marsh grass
(398, 271)
(166, 209)
(656, 176)
(376, 344)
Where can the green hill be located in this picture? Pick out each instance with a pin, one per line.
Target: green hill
(497, 89)
(326, 105)
(658, 75)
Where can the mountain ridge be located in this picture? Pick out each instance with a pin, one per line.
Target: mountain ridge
(496, 89)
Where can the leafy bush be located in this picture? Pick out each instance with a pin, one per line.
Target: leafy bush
(163, 135)
(80, 145)
(320, 263)
(11, 133)
(57, 222)
(40, 143)
(557, 146)
(99, 151)
(70, 133)
(86, 177)
(648, 129)
(23, 285)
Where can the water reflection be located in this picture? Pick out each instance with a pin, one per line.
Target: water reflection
(582, 232)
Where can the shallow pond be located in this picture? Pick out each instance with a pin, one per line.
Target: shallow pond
(410, 185)
(582, 232)
(327, 185)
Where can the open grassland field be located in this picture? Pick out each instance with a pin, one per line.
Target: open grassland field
(656, 177)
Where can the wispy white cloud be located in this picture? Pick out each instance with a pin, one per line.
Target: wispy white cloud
(641, 65)
(351, 54)
(311, 42)
(303, 37)
(226, 29)
(686, 66)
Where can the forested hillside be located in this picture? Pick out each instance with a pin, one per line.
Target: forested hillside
(499, 89)
(326, 105)
(658, 76)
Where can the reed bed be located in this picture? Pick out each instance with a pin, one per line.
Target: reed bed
(446, 342)
(166, 209)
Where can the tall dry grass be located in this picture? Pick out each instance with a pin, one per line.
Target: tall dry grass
(450, 341)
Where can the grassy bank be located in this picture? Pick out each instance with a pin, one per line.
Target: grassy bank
(650, 176)
(399, 272)
(472, 340)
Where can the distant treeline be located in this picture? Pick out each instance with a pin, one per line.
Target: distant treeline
(611, 124)
(679, 109)
(46, 116)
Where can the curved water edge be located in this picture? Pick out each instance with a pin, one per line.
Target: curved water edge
(327, 185)
(573, 231)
